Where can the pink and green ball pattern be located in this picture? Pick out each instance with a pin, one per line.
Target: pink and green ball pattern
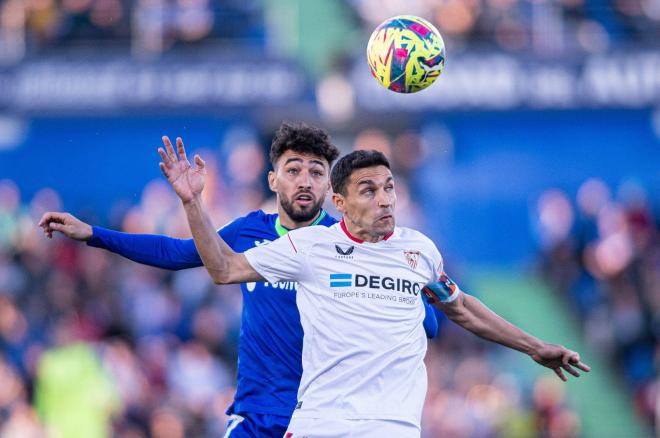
(406, 54)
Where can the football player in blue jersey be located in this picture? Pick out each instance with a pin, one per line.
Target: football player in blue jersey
(270, 344)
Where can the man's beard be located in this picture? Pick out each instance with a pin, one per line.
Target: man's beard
(300, 214)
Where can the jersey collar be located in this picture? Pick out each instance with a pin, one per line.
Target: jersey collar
(356, 239)
(281, 230)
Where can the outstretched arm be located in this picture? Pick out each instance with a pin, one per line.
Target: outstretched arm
(149, 249)
(223, 264)
(470, 313)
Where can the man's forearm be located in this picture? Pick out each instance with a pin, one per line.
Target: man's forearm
(149, 249)
(213, 251)
(474, 316)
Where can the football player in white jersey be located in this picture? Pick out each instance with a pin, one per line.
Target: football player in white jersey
(359, 286)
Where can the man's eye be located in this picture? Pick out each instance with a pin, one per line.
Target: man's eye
(292, 171)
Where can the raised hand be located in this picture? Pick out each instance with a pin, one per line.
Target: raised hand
(560, 359)
(65, 223)
(186, 181)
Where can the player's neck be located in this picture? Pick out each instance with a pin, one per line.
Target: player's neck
(290, 224)
(357, 233)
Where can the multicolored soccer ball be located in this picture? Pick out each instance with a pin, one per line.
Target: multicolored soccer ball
(406, 54)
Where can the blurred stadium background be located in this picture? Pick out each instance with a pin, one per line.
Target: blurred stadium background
(534, 162)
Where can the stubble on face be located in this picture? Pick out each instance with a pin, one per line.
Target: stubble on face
(301, 199)
(372, 218)
(300, 213)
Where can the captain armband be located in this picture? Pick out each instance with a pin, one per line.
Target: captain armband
(443, 290)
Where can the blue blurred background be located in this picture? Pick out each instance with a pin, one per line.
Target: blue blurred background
(533, 162)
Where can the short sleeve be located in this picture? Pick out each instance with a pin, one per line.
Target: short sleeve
(280, 260)
(230, 231)
(440, 288)
(437, 261)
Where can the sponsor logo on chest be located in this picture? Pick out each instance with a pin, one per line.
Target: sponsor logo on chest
(402, 285)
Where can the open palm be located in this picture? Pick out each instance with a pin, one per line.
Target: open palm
(186, 180)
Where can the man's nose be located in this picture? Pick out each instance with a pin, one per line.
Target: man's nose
(384, 199)
(304, 180)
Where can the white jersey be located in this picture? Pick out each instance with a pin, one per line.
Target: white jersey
(359, 303)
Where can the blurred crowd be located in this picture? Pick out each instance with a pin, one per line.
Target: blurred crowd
(601, 252)
(146, 25)
(95, 345)
(546, 27)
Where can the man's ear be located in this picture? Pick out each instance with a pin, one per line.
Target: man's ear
(272, 181)
(339, 202)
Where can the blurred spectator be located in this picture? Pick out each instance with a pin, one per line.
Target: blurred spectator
(545, 27)
(605, 259)
(73, 395)
(151, 27)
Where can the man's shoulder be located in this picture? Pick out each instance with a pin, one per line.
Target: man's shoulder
(328, 220)
(254, 226)
(258, 216)
(261, 217)
(313, 234)
(410, 235)
(259, 220)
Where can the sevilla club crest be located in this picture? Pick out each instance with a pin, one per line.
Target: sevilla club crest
(412, 257)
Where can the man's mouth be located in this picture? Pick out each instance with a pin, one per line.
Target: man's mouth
(304, 199)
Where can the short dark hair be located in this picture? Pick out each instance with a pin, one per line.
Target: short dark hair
(351, 162)
(302, 138)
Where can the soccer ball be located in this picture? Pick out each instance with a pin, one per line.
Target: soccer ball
(406, 54)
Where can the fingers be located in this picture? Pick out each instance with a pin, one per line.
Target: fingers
(199, 162)
(583, 366)
(170, 150)
(51, 221)
(56, 226)
(163, 169)
(51, 216)
(53, 226)
(44, 219)
(180, 149)
(575, 361)
(168, 155)
(565, 363)
(569, 361)
(571, 370)
(560, 374)
(48, 231)
(164, 157)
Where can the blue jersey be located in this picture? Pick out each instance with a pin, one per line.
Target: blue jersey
(270, 343)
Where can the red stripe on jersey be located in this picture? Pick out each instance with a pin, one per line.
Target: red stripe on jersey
(294, 246)
(350, 236)
(357, 239)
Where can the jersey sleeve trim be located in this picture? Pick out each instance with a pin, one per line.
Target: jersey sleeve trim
(252, 259)
(291, 241)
